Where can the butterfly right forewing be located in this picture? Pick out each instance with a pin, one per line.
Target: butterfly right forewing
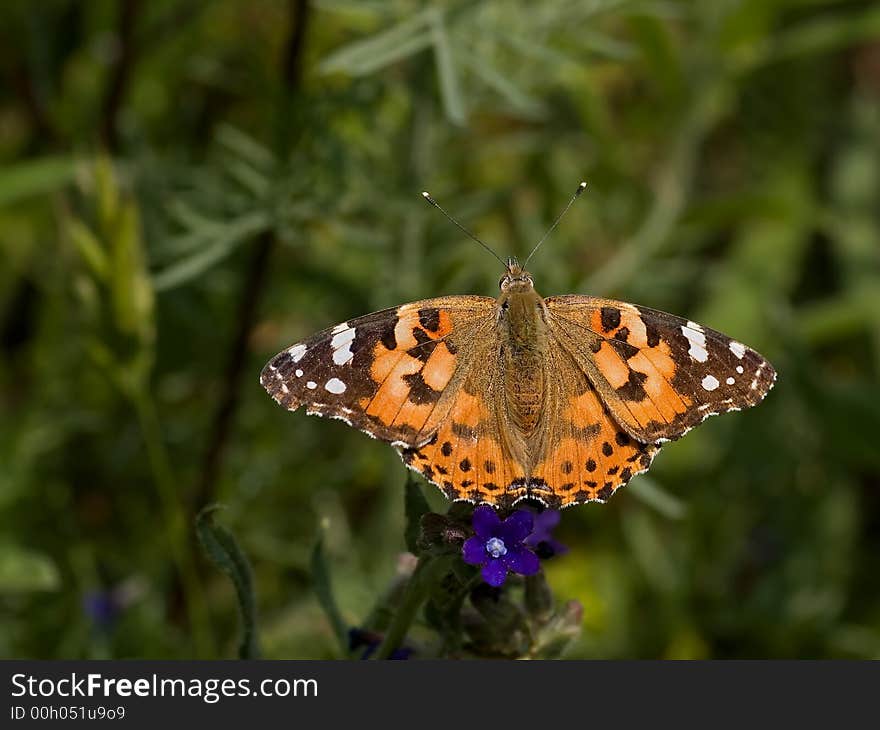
(660, 375)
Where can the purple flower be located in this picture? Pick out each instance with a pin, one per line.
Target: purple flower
(102, 607)
(499, 546)
(541, 538)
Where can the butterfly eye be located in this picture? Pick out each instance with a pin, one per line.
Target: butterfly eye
(504, 282)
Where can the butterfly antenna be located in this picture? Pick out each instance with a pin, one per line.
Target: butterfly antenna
(427, 196)
(574, 197)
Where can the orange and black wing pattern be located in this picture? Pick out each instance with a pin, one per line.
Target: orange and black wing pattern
(658, 374)
(384, 373)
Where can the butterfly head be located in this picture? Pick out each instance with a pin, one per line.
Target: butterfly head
(516, 278)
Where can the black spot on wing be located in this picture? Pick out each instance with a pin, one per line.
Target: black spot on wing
(633, 389)
(623, 348)
(388, 338)
(610, 318)
(419, 391)
(429, 318)
(424, 347)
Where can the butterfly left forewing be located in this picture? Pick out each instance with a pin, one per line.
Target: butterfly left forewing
(660, 375)
(383, 373)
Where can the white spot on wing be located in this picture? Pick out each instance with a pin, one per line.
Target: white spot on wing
(757, 376)
(340, 328)
(698, 343)
(730, 381)
(299, 373)
(710, 382)
(341, 345)
(296, 352)
(694, 326)
(737, 348)
(739, 369)
(334, 385)
(311, 385)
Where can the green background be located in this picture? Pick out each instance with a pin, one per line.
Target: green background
(187, 187)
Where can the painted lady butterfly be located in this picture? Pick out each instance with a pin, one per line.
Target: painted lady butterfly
(562, 399)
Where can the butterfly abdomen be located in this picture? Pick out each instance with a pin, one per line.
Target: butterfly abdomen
(524, 338)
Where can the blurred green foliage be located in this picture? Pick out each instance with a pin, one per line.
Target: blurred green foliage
(188, 186)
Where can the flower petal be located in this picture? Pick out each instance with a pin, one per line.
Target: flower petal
(474, 551)
(494, 572)
(486, 521)
(521, 560)
(547, 520)
(516, 528)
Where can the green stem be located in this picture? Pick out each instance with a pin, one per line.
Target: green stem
(427, 570)
(175, 522)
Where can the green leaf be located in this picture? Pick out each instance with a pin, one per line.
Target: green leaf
(106, 193)
(450, 89)
(244, 146)
(653, 495)
(364, 57)
(198, 263)
(132, 288)
(24, 571)
(89, 248)
(324, 591)
(34, 177)
(521, 101)
(650, 550)
(415, 506)
(223, 550)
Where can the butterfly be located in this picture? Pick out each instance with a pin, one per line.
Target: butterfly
(562, 400)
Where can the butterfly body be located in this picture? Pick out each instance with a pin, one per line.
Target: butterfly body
(561, 399)
(524, 347)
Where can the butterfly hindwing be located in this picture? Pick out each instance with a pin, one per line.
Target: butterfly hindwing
(588, 455)
(660, 375)
(468, 457)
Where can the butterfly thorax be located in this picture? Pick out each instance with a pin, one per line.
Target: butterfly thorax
(524, 338)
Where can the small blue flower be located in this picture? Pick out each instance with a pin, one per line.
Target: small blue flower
(541, 539)
(500, 546)
(102, 607)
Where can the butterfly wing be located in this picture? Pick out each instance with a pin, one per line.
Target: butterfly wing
(659, 375)
(384, 373)
(471, 455)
